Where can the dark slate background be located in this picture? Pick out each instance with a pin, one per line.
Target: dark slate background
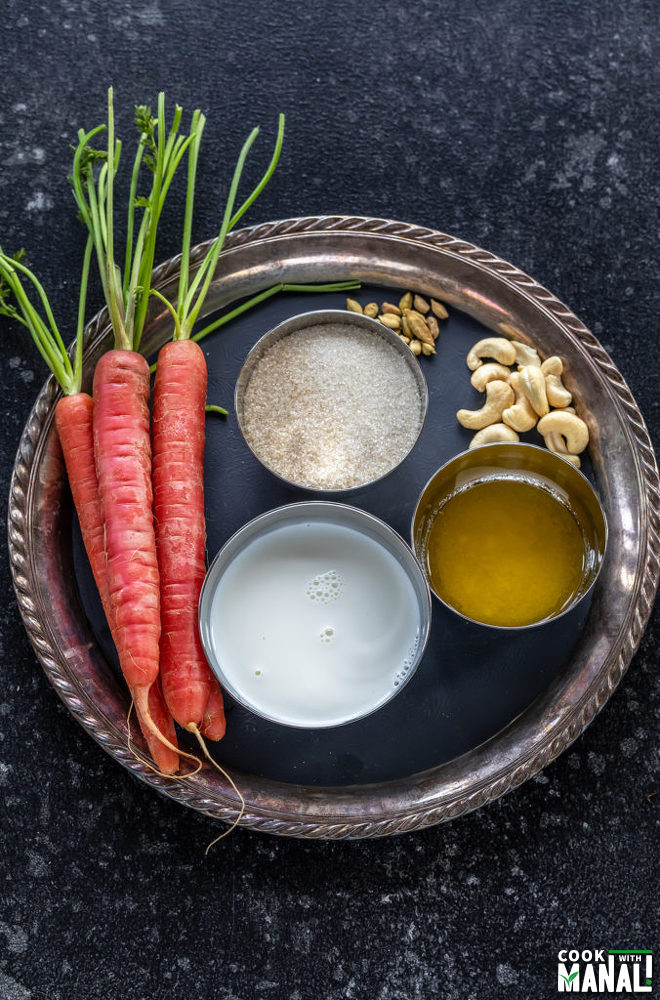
(526, 127)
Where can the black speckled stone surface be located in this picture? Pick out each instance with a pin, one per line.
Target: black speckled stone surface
(527, 128)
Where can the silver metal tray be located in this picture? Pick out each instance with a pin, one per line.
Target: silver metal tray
(504, 299)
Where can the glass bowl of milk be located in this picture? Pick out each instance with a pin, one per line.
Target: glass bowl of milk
(314, 615)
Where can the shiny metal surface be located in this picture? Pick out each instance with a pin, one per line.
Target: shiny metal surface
(504, 299)
(526, 463)
(322, 317)
(333, 513)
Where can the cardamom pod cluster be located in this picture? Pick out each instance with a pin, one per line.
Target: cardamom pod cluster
(414, 319)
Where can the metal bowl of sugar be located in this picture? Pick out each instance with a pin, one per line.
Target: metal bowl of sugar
(331, 401)
(314, 615)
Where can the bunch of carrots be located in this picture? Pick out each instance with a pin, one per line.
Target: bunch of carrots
(137, 483)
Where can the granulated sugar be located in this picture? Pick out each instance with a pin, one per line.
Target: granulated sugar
(332, 407)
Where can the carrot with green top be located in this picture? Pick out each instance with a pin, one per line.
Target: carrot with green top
(191, 690)
(73, 420)
(178, 474)
(122, 449)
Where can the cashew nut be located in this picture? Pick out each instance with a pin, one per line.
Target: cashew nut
(525, 354)
(521, 416)
(552, 366)
(558, 394)
(496, 432)
(532, 384)
(499, 395)
(555, 442)
(488, 373)
(569, 425)
(491, 347)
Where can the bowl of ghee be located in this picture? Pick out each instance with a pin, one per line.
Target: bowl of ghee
(510, 535)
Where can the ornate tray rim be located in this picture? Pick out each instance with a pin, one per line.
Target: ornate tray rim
(436, 795)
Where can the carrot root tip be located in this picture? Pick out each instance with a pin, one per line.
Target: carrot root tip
(145, 715)
(192, 728)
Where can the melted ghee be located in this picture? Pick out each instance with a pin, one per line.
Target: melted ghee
(505, 552)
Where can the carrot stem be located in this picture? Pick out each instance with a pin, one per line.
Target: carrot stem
(192, 305)
(168, 305)
(197, 128)
(127, 298)
(80, 327)
(169, 154)
(266, 177)
(44, 331)
(130, 219)
(82, 155)
(337, 286)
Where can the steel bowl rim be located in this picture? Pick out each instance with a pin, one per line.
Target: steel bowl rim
(449, 790)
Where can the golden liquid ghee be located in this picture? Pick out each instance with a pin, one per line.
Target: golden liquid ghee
(505, 552)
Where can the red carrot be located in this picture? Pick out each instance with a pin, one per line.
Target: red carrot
(123, 465)
(73, 421)
(178, 482)
(164, 757)
(191, 691)
(122, 449)
(213, 724)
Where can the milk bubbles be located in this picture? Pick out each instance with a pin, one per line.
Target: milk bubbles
(325, 587)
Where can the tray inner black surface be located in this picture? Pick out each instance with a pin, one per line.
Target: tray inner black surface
(472, 682)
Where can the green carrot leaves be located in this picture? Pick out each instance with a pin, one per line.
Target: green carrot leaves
(160, 150)
(127, 288)
(266, 177)
(39, 320)
(191, 294)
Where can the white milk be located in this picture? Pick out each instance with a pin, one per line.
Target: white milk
(314, 624)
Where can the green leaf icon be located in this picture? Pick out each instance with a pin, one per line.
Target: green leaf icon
(569, 979)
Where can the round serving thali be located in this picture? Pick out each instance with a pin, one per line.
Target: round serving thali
(482, 715)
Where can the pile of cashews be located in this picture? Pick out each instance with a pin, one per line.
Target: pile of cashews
(517, 401)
